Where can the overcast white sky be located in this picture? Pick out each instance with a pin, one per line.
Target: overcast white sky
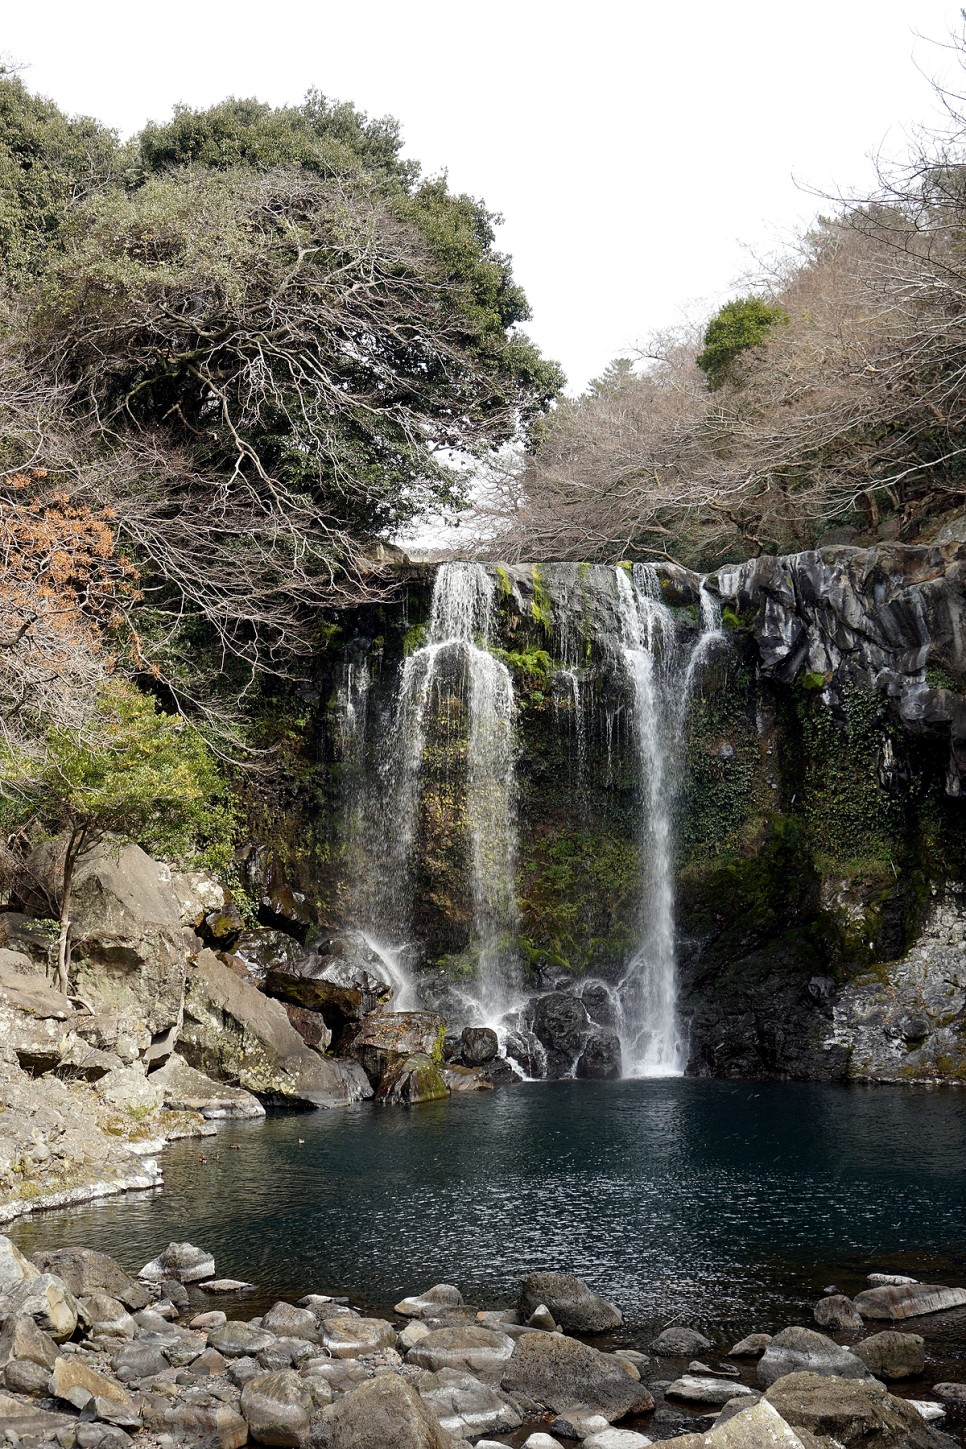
(641, 153)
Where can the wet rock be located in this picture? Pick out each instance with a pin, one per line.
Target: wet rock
(478, 1045)
(442, 1295)
(909, 1300)
(892, 1355)
(384, 1411)
(558, 1372)
(240, 1340)
(185, 1090)
(86, 1272)
(464, 1079)
(480, 1351)
(578, 1424)
(837, 1311)
(561, 1025)
(852, 1413)
(416, 1079)
(276, 1407)
(339, 990)
(751, 1347)
(387, 1040)
(574, 1306)
(290, 1322)
(48, 1301)
(465, 1406)
(700, 1390)
(799, 1350)
(600, 1060)
(888, 1280)
(951, 1393)
(350, 1337)
(542, 1441)
(500, 1073)
(679, 1342)
(226, 1285)
(181, 1261)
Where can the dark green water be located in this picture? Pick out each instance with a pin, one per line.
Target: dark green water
(731, 1204)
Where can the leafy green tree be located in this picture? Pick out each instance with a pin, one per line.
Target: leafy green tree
(135, 774)
(739, 326)
(48, 162)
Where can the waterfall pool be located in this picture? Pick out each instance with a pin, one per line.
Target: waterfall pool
(732, 1205)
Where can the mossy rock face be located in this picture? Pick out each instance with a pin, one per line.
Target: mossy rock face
(415, 1080)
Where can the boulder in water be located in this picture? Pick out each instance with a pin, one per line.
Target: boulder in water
(572, 1304)
(837, 1311)
(559, 1372)
(801, 1350)
(560, 1024)
(389, 1038)
(679, 1342)
(600, 1060)
(478, 1045)
(852, 1413)
(908, 1300)
(891, 1355)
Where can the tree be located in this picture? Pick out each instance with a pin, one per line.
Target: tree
(141, 776)
(738, 326)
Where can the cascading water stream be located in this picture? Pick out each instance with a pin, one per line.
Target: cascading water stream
(662, 679)
(460, 626)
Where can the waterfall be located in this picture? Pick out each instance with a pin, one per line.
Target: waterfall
(661, 678)
(460, 627)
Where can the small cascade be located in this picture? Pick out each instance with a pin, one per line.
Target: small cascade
(460, 627)
(662, 678)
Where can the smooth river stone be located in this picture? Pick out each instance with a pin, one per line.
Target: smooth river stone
(699, 1390)
(349, 1337)
(480, 1351)
(908, 1300)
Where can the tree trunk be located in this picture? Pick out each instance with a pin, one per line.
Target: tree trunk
(62, 977)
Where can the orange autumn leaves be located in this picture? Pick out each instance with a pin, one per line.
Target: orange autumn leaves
(61, 583)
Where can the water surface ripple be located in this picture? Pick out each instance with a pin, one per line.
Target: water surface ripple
(732, 1204)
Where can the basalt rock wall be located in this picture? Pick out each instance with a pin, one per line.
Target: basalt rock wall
(820, 849)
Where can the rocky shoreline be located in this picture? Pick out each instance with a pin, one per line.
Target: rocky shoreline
(94, 1357)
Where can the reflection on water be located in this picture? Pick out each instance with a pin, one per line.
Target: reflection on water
(732, 1203)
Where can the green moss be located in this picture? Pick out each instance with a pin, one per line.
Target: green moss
(578, 891)
(503, 582)
(540, 607)
(529, 663)
(414, 638)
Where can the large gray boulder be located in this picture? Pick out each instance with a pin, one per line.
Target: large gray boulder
(703, 1389)
(386, 1411)
(892, 1355)
(22, 1341)
(852, 1413)
(758, 1427)
(349, 1337)
(276, 1407)
(15, 1269)
(385, 1041)
(465, 1406)
(126, 927)
(557, 1372)
(48, 1301)
(186, 1090)
(574, 1306)
(232, 1032)
(799, 1350)
(679, 1341)
(86, 1272)
(480, 1351)
(908, 1300)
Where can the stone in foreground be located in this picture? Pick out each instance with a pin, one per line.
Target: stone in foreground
(573, 1305)
(757, 1427)
(465, 1406)
(276, 1408)
(383, 1412)
(851, 1412)
(559, 1372)
(480, 1351)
